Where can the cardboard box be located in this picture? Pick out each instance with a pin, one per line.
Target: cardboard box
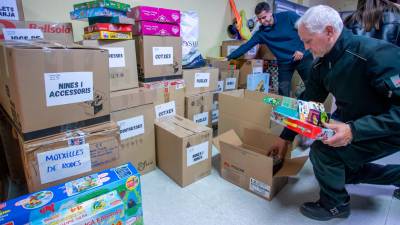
(156, 29)
(183, 149)
(79, 200)
(56, 32)
(265, 53)
(161, 15)
(200, 80)
(248, 67)
(244, 162)
(56, 159)
(121, 61)
(231, 45)
(198, 108)
(68, 87)
(242, 109)
(221, 64)
(133, 111)
(159, 58)
(11, 10)
(230, 79)
(169, 97)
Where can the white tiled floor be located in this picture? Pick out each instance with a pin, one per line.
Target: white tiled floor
(213, 200)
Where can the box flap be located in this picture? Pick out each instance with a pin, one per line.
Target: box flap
(291, 166)
(180, 126)
(131, 98)
(228, 137)
(43, 44)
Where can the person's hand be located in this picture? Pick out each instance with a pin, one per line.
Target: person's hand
(225, 59)
(342, 137)
(279, 148)
(297, 55)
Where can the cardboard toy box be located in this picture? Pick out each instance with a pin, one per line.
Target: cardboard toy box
(121, 61)
(198, 108)
(248, 67)
(231, 45)
(200, 80)
(133, 111)
(169, 97)
(160, 15)
(67, 87)
(56, 32)
(111, 196)
(244, 162)
(183, 149)
(156, 29)
(159, 58)
(56, 159)
(11, 10)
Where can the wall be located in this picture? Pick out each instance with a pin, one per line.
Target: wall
(215, 15)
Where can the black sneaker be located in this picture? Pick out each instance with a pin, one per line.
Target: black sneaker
(396, 193)
(316, 211)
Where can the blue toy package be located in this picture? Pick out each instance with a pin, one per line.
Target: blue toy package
(258, 82)
(80, 14)
(111, 197)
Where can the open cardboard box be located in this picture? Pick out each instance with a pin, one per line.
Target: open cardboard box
(244, 162)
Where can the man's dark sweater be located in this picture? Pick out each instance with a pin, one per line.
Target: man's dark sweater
(281, 38)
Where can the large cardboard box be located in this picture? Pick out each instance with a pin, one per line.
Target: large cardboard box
(159, 58)
(133, 111)
(231, 45)
(183, 149)
(248, 67)
(121, 61)
(56, 159)
(198, 108)
(67, 87)
(56, 32)
(245, 162)
(169, 97)
(242, 109)
(11, 10)
(200, 80)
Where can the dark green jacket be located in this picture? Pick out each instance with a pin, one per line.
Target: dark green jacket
(363, 75)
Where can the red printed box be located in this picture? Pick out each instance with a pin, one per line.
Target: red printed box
(161, 15)
(108, 27)
(156, 29)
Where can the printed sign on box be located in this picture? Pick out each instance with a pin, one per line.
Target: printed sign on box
(201, 118)
(230, 83)
(131, 127)
(166, 109)
(197, 153)
(116, 57)
(163, 56)
(22, 34)
(220, 86)
(201, 80)
(9, 10)
(64, 162)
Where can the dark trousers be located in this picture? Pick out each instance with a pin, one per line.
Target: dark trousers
(286, 71)
(335, 167)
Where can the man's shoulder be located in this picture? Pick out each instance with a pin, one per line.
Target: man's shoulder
(366, 47)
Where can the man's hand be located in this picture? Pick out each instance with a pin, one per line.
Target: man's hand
(342, 137)
(279, 148)
(297, 55)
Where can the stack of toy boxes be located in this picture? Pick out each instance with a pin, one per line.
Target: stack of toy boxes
(159, 53)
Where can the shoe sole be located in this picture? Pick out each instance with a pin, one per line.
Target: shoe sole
(306, 213)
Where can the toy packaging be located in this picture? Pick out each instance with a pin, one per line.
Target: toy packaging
(111, 197)
(108, 35)
(154, 14)
(103, 4)
(93, 12)
(156, 29)
(114, 20)
(303, 117)
(258, 82)
(108, 27)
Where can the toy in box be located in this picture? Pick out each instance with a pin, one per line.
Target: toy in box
(103, 4)
(258, 82)
(111, 197)
(80, 14)
(303, 117)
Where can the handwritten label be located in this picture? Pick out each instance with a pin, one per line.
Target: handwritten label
(9, 10)
(64, 162)
(131, 127)
(197, 153)
(201, 118)
(166, 109)
(230, 83)
(163, 56)
(116, 57)
(22, 34)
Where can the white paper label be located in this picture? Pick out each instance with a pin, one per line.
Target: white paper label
(197, 153)
(214, 116)
(68, 87)
(201, 80)
(258, 69)
(163, 56)
(131, 127)
(166, 109)
(230, 83)
(259, 187)
(220, 87)
(231, 48)
(201, 118)
(252, 51)
(63, 163)
(22, 34)
(116, 57)
(9, 10)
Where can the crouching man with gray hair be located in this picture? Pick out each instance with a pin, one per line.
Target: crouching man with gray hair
(363, 75)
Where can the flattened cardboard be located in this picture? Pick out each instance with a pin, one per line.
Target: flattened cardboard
(189, 76)
(173, 136)
(196, 104)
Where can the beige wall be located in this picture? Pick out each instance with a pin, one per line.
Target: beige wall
(215, 15)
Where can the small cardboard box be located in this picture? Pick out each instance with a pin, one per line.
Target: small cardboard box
(244, 162)
(88, 200)
(11, 10)
(56, 32)
(198, 108)
(183, 149)
(221, 64)
(68, 87)
(249, 67)
(231, 45)
(230, 79)
(200, 80)
(133, 111)
(121, 61)
(159, 57)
